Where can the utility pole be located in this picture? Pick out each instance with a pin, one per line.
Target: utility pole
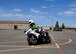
(52, 25)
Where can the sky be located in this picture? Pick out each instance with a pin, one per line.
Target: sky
(43, 12)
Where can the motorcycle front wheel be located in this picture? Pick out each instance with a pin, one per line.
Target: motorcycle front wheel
(32, 40)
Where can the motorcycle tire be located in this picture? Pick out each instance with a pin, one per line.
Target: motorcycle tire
(32, 40)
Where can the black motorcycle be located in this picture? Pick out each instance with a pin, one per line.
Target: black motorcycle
(42, 38)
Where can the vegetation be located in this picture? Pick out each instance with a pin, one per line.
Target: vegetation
(57, 28)
(57, 24)
(63, 26)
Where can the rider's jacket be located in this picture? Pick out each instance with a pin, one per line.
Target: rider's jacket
(34, 26)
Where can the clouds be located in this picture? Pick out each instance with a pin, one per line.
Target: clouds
(73, 4)
(34, 10)
(16, 10)
(37, 11)
(40, 11)
(44, 7)
(69, 9)
(18, 15)
(35, 17)
(9, 15)
(39, 19)
(73, 9)
(68, 13)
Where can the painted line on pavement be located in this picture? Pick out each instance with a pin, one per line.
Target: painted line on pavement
(55, 41)
(40, 46)
(13, 46)
(57, 45)
(15, 49)
(31, 47)
(60, 49)
(69, 41)
(12, 42)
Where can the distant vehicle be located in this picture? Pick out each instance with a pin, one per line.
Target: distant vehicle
(57, 29)
(35, 37)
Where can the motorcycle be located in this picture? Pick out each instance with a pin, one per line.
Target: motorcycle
(35, 37)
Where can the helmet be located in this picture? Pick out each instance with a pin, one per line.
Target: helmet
(30, 21)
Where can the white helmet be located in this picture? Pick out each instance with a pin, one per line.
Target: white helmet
(30, 21)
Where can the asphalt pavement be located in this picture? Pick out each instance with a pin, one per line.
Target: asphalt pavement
(15, 42)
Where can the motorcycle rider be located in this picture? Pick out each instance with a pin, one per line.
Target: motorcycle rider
(33, 28)
(33, 25)
(38, 32)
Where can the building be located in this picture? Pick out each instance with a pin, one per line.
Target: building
(46, 27)
(14, 25)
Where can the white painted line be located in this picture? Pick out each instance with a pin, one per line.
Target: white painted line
(12, 42)
(55, 41)
(57, 45)
(15, 49)
(60, 49)
(13, 46)
(52, 46)
(70, 40)
(31, 47)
